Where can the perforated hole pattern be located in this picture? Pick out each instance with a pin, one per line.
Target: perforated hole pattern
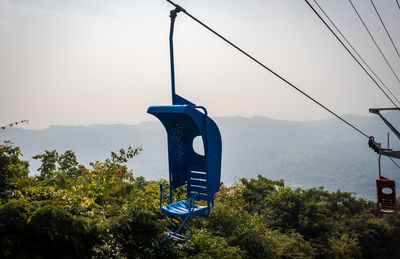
(177, 135)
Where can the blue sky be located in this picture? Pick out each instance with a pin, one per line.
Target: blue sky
(102, 62)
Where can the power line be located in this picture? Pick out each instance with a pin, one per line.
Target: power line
(351, 54)
(386, 30)
(373, 39)
(267, 68)
(397, 1)
(355, 51)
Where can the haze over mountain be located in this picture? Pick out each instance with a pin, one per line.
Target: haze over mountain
(305, 154)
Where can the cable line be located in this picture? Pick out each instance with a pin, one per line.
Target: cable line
(355, 51)
(351, 54)
(276, 74)
(267, 68)
(386, 30)
(373, 39)
(397, 1)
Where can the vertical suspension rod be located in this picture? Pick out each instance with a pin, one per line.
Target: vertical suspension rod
(172, 15)
(379, 165)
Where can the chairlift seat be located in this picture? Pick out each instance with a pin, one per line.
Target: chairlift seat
(386, 201)
(183, 208)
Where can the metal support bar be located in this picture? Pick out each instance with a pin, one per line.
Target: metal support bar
(161, 193)
(176, 99)
(173, 15)
(174, 234)
(377, 111)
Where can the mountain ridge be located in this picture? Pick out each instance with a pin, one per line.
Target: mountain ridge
(305, 154)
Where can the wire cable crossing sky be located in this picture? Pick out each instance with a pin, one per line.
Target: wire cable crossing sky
(358, 62)
(83, 63)
(356, 52)
(376, 44)
(386, 30)
(267, 68)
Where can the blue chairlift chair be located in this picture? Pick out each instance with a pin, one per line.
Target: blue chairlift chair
(201, 173)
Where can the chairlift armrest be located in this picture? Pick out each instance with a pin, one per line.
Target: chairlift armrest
(202, 108)
(161, 187)
(192, 200)
(161, 192)
(210, 205)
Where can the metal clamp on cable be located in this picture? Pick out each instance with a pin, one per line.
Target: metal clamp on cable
(374, 145)
(174, 12)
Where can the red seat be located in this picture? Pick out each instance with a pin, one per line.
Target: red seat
(386, 191)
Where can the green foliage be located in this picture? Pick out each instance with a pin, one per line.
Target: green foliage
(44, 232)
(139, 233)
(68, 163)
(13, 172)
(14, 218)
(206, 245)
(104, 211)
(49, 164)
(55, 232)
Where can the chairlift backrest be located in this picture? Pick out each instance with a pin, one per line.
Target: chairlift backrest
(201, 173)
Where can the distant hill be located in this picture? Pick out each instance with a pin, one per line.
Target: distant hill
(305, 154)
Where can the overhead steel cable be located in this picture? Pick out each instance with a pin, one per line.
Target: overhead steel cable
(267, 68)
(386, 30)
(351, 54)
(373, 39)
(398, 4)
(355, 51)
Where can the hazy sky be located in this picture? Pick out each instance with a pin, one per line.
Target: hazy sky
(77, 62)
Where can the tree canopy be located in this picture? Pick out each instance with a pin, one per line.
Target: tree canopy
(104, 211)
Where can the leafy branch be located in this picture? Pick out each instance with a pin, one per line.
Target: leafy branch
(14, 124)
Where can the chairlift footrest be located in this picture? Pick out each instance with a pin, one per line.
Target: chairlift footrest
(176, 236)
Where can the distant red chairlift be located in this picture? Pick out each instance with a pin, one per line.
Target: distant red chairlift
(386, 201)
(386, 193)
(385, 188)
